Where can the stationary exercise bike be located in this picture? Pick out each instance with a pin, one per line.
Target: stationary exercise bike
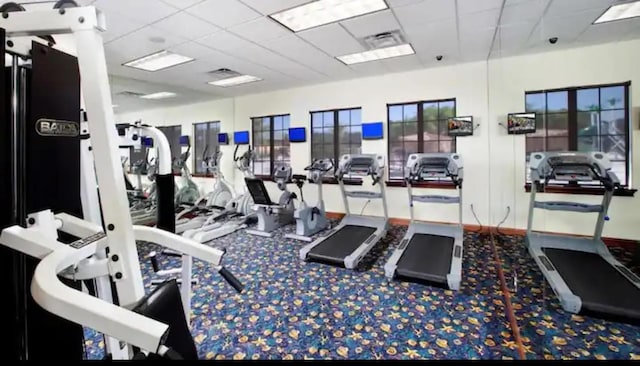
(272, 215)
(311, 220)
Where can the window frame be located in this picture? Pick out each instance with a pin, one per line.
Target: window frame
(271, 145)
(572, 130)
(195, 143)
(400, 182)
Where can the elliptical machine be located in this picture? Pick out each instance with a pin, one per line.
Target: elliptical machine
(272, 215)
(222, 190)
(189, 192)
(311, 220)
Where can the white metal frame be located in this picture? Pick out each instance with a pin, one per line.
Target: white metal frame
(86, 24)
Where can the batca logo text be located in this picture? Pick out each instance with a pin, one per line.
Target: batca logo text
(52, 127)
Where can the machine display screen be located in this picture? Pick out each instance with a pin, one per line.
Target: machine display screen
(147, 142)
(297, 134)
(521, 123)
(241, 137)
(184, 141)
(223, 138)
(372, 131)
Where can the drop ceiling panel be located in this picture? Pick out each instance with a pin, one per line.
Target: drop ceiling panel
(562, 7)
(295, 48)
(511, 37)
(566, 28)
(523, 12)
(367, 25)
(182, 4)
(426, 11)
(138, 44)
(404, 63)
(186, 26)
(224, 41)
(268, 7)
(332, 39)
(118, 27)
(399, 3)
(260, 30)
(613, 31)
(223, 13)
(192, 49)
(468, 24)
(144, 11)
(433, 35)
(466, 7)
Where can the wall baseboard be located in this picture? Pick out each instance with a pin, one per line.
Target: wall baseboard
(610, 242)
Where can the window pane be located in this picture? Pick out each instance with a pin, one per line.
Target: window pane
(410, 148)
(266, 124)
(282, 153)
(316, 120)
(536, 103)
(410, 131)
(612, 122)
(612, 98)
(557, 125)
(317, 152)
(443, 130)
(278, 137)
(396, 151)
(615, 146)
(344, 117)
(430, 131)
(317, 136)
(430, 111)
(557, 144)
(410, 112)
(395, 114)
(266, 138)
(328, 151)
(396, 169)
(447, 110)
(344, 149)
(588, 100)
(587, 123)
(285, 137)
(286, 122)
(557, 102)
(535, 144)
(356, 149)
(328, 119)
(356, 116)
(431, 147)
(355, 135)
(277, 123)
(396, 131)
(328, 135)
(589, 143)
(448, 146)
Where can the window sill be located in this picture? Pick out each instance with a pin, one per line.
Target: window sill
(598, 191)
(402, 183)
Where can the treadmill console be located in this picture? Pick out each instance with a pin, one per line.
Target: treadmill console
(433, 166)
(363, 164)
(572, 166)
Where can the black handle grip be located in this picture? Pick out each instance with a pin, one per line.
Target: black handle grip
(154, 263)
(171, 253)
(233, 281)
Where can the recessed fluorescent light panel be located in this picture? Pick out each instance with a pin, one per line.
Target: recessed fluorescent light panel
(322, 12)
(619, 12)
(160, 95)
(377, 54)
(159, 61)
(237, 80)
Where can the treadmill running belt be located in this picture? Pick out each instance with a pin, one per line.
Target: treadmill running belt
(427, 257)
(341, 244)
(604, 291)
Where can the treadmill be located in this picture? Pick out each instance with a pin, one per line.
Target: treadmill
(584, 275)
(431, 253)
(350, 241)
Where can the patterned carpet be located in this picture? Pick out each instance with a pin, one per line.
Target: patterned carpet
(296, 310)
(547, 330)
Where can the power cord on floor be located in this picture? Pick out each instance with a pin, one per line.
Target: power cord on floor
(473, 211)
(503, 221)
(365, 206)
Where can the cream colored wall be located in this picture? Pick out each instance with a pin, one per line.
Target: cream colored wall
(494, 161)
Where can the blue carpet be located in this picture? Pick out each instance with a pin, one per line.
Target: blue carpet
(296, 310)
(547, 330)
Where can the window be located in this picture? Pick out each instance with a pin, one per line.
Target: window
(592, 118)
(173, 134)
(418, 127)
(270, 143)
(206, 139)
(136, 156)
(335, 133)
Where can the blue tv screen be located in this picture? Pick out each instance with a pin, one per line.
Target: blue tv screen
(297, 134)
(223, 138)
(241, 137)
(147, 142)
(184, 141)
(372, 131)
